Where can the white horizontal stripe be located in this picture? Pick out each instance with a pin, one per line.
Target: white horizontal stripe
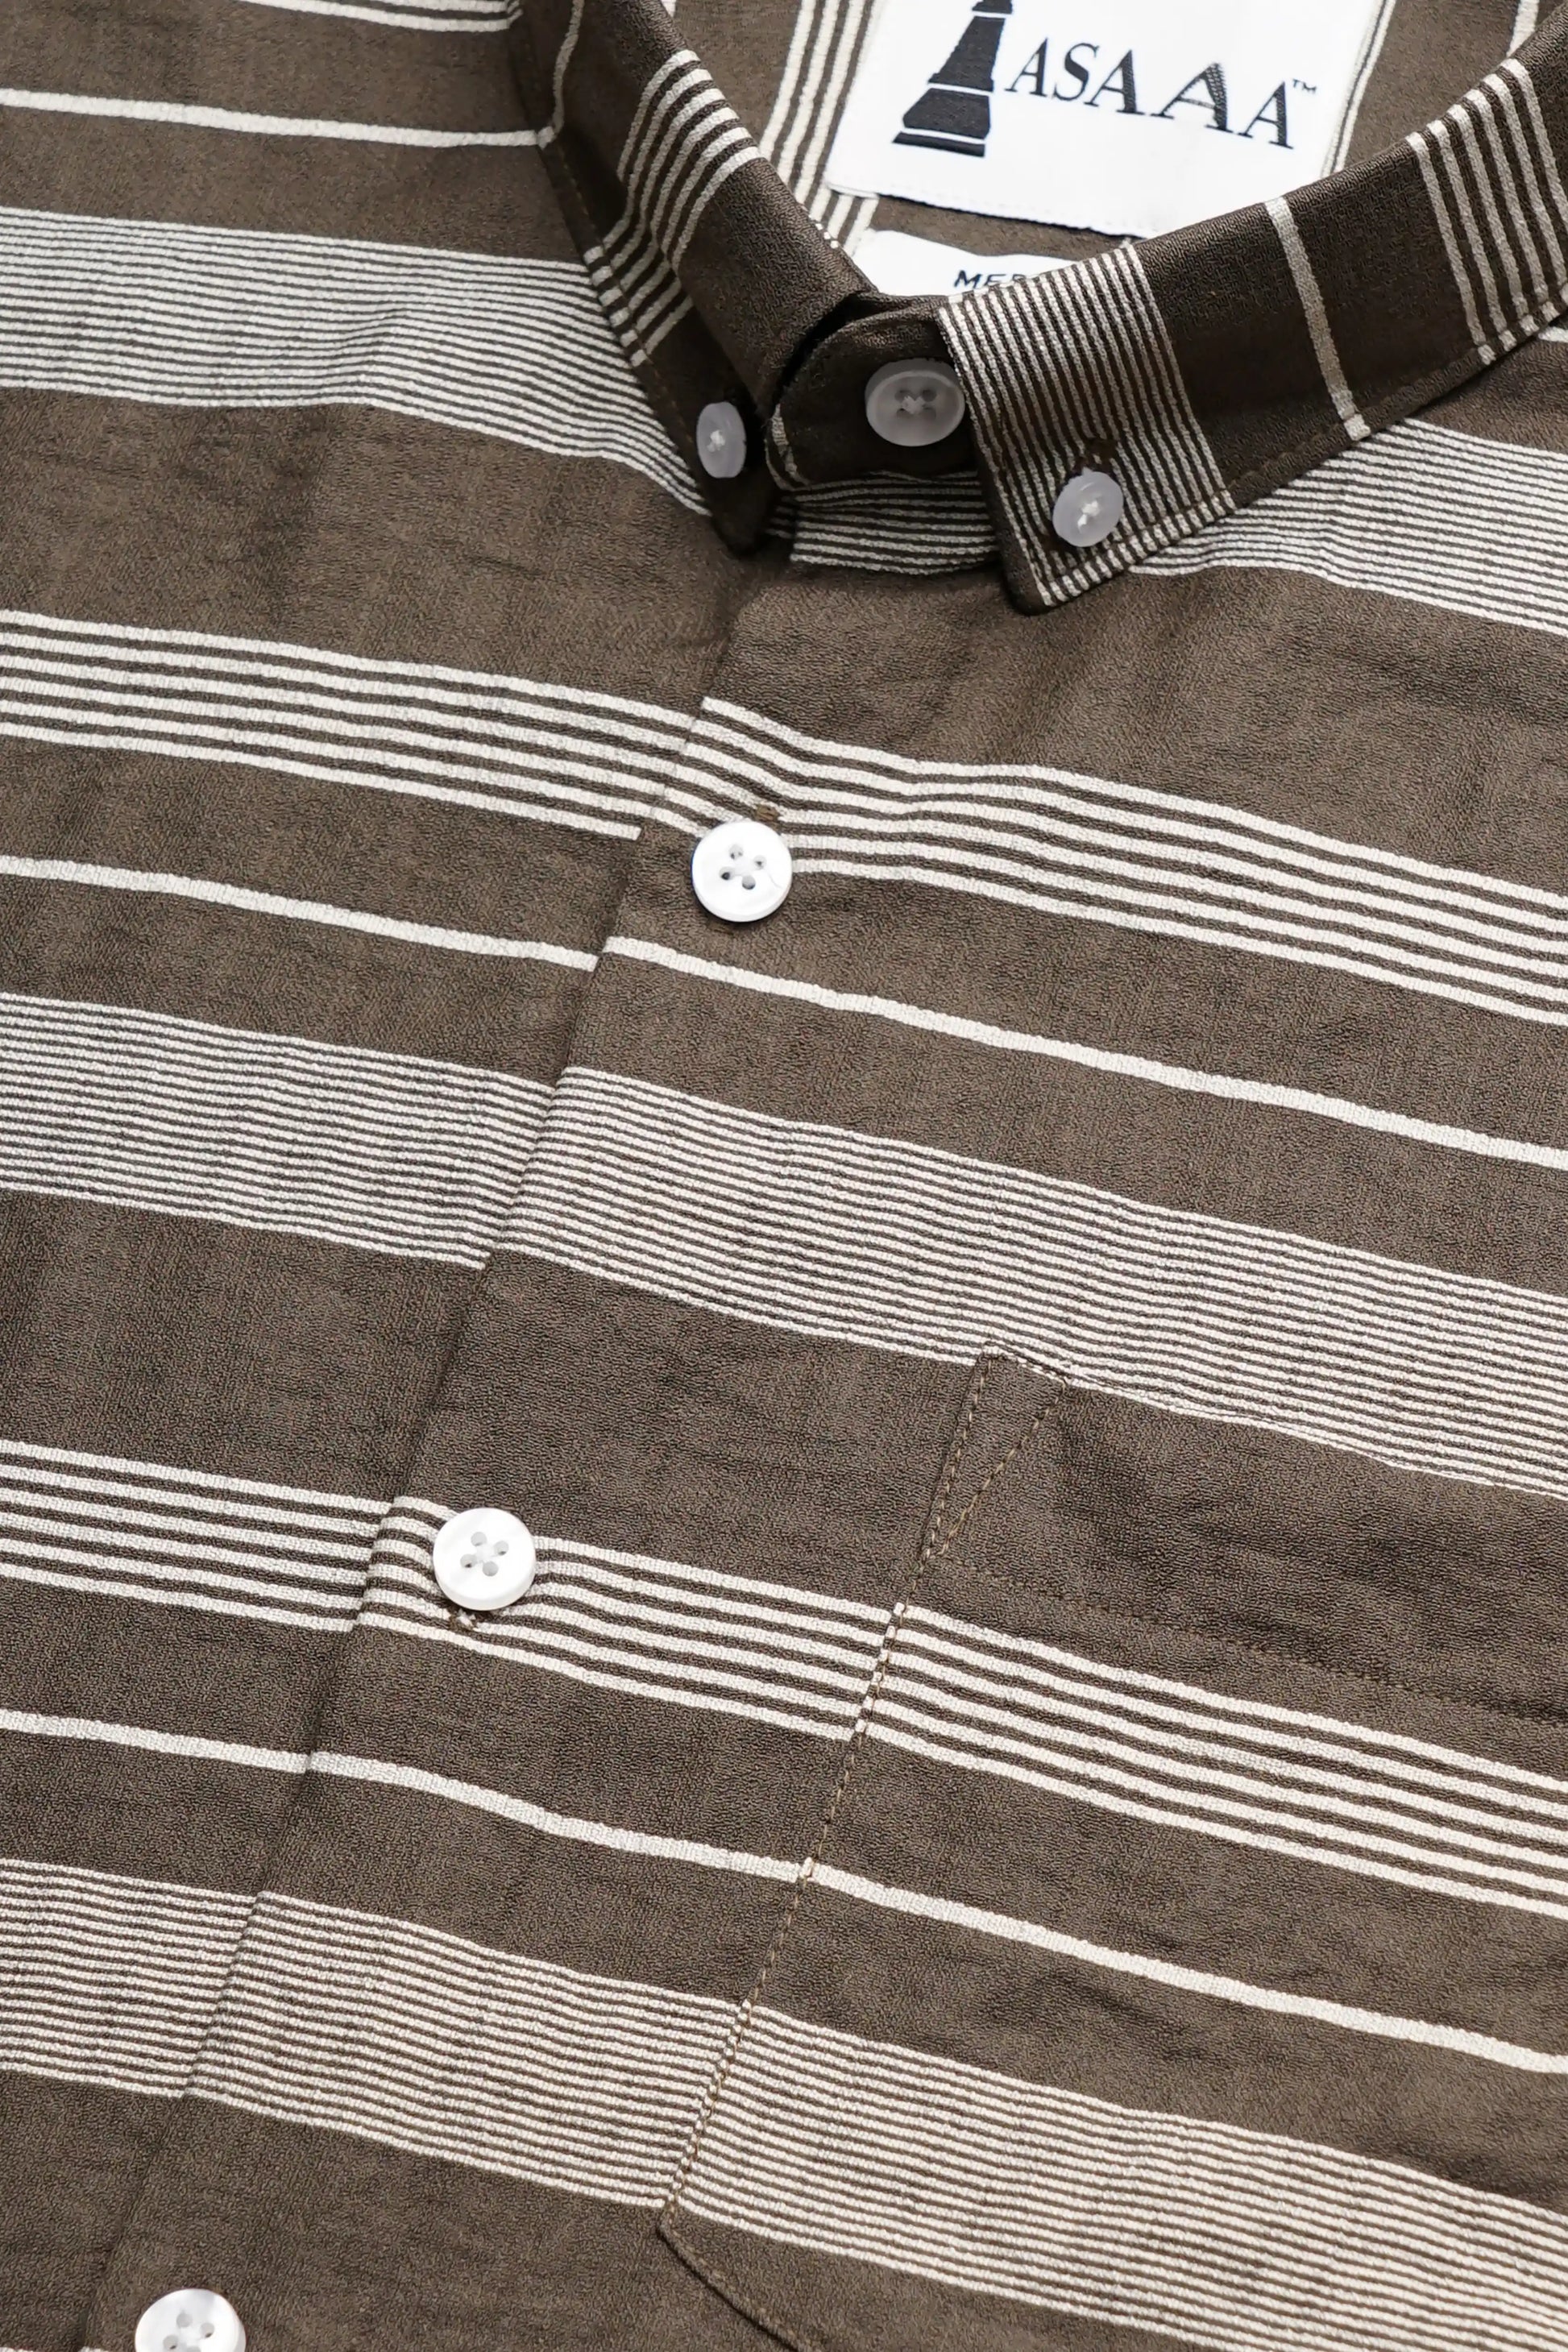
(195, 316)
(281, 126)
(188, 1745)
(304, 910)
(1458, 2041)
(1455, 520)
(351, 1145)
(1093, 1058)
(192, 1593)
(355, 2022)
(896, 1245)
(435, 684)
(551, 1824)
(521, 747)
(1350, 2019)
(417, 16)
(808, 763)
(169, 1537)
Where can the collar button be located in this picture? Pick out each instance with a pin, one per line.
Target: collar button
(721, 440)
(1088, 507)
(913, 402)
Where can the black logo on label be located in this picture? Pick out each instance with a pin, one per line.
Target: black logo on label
(955, 112)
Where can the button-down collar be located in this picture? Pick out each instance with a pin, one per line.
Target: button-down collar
(1207, 367)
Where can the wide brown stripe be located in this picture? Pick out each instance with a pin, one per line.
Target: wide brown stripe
(338, 846)
(1081, 985)
(1431, 55)
(647, 1427)
(383, 2245)
(1327, 1568)
(183, 1340)
(1253, 375)
(486, 200)
(575, 1747)
(1384, 354)
(291, 978)
(72, 2158)
(417, 543)
(264, 61)
(92, 1658)
(80, 1803)
(396, 1853)
(1525, 402)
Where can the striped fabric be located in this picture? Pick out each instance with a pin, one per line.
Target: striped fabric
(888, 1245)
(684, 143)
(321, 2015)
(818, 68)
(1331, 1792)
(1056, 366)
(1438, 517)
(1103, 359)
(656, 1628)
(1492, 173)
(891, 525)
(195, 315)
(1087, 849)
(287, 1135)
(1344, 2255)
(409, 16)
(1275, 1779)
(960, 1695)
(1025, 1805)
(588, 762)
(151, 1532)
(264, 126)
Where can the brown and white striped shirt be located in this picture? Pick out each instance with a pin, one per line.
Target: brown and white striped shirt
(1024, 1808)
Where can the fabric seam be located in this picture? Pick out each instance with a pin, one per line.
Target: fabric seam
(940, 1539)
(1479, 1708)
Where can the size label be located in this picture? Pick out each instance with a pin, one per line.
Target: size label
(1127, 116)
(919, 265)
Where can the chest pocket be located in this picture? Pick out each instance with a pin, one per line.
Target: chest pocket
(1182, 1951)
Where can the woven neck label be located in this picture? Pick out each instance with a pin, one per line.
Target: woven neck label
(1127, 116)
(899, 264)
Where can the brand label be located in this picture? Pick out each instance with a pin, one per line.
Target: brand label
(1127, 116)
(897, 264)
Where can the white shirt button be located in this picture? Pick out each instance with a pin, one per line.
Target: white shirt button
(742, 871)
(914, 402)
(483, 1560)
(721, 440)
(1089, 508)
(192, 2319)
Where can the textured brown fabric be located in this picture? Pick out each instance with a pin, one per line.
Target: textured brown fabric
(1026, 1809)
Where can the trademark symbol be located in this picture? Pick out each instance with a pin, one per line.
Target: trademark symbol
(1310, 87)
